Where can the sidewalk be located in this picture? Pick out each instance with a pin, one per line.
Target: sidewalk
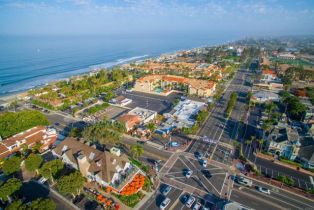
(148, 195)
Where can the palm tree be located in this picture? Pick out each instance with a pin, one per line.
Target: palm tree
(137, 150)
(261, 143)
(151, 126)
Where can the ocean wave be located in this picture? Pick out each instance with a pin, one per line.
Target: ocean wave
(11, 87)
(117, 62)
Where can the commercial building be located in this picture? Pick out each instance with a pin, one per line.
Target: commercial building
(145, 115)
(182, 116)
(111, 170)
(121, 101)
(36, 135)
(164, 84)
(264, 96)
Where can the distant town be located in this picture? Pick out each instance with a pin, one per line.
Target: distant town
(223, 127)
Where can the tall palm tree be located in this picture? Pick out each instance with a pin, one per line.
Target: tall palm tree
(137, 150)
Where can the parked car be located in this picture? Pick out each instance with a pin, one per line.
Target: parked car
(190, 202)
(184, 198)
(263, 190)
(165, 203)
(188, 173)
(197, 206)
(206, 173)
(204, 163)
(166, 190)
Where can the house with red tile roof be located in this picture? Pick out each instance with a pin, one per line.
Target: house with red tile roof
(268, 75)
(36, 135)
(152, 82)
(129, 120)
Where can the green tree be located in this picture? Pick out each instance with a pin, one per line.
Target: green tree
(151, 126)
(51, 169)
(75, 132)
(137, 150)
(10, 187)
(16, 205)
(33, 162)
(42, 203)
(14, 122)
(71, 184)
(11, 165)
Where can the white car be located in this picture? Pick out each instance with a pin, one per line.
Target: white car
(190, 202)
(263, 190)
(204, 163)
(165, 203)
(188, 174)
(197, 206)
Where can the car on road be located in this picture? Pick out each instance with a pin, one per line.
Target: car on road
(204, 163)
(164, 203)
(188, 173)
(129, 90)
(206, 173)
(263, 190)
(197, 206)
(243, 181)
(166, 190)
(190, 201)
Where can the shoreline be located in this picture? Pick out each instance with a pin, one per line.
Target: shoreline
(15, 95)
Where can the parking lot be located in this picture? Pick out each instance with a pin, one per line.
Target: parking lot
(160, 104)
(177, 198)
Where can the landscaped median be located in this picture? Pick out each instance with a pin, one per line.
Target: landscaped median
(231, 103)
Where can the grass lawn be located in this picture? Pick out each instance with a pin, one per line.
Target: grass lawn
(130, 200)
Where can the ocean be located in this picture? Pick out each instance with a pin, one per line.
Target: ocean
(31, 61)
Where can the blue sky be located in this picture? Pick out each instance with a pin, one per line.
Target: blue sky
(242, 17)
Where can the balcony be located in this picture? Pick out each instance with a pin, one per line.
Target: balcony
(124, 178)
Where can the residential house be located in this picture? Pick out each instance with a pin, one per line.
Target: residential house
(36, 135)
(129, 121)
(113, 170)
(306, 153)
(268, 75)
(284, 141)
